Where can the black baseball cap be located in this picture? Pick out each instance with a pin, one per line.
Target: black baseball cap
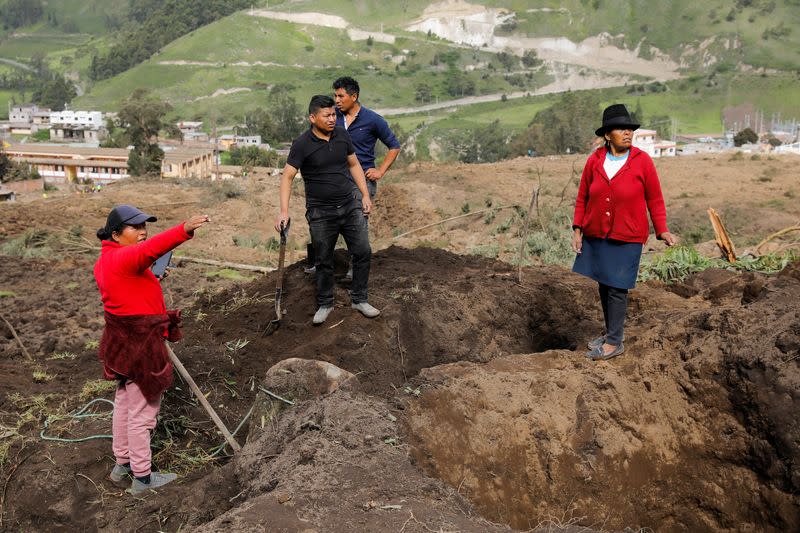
(127, 214)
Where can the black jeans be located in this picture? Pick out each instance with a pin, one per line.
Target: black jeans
(615, 307)
(325, 225)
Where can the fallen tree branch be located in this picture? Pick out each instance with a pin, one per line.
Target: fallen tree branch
(453, 218)
(223, 264)
(775, 235)
(19, 341)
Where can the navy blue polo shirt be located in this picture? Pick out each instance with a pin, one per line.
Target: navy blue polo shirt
(365, 130)
(323, 165)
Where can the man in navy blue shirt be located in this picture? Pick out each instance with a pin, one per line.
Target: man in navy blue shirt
(365, 127)
(325, 156)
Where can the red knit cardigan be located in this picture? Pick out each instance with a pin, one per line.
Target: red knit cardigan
(617, 208)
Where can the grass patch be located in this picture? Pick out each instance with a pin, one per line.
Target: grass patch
(228, 273)
(7, 294)
(239, 300)
(96, 388)
(438, 244)
(62, 355)
(40, 375)
(28, 410)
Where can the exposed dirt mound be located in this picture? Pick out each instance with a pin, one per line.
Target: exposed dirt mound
(695, 428)
(436, 308)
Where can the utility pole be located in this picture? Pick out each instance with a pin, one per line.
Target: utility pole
(213, 119)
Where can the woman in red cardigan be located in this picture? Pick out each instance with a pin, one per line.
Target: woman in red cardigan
(132, 348)
(618, 187)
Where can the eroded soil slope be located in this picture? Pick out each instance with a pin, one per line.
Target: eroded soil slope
(695, 428)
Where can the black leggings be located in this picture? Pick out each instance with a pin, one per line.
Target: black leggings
(615, 306)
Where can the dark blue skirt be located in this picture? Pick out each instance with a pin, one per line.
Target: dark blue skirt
(612, 263)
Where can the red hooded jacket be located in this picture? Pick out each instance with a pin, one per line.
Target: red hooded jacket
(127, 286)
(137, 321)
(617, 208)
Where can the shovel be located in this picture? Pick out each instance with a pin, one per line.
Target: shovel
(276, 323)
(202, 399)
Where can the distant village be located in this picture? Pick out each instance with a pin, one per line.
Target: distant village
(73, 155)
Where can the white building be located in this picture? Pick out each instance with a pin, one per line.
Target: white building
(226, 142)
(27, 119)
(793, 148)
(81, 126)
(60, 164)
(647, 141)
(192, 130)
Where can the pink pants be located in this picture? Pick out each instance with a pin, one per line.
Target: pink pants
(134, 418)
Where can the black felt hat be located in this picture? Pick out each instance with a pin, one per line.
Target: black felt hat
(616, 116)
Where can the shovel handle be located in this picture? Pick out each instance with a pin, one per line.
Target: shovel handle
(285, 230)
(202, 399)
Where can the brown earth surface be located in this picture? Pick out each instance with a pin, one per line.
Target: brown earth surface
(472, 406)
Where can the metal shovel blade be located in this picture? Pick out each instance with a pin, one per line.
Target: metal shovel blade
(274, 324)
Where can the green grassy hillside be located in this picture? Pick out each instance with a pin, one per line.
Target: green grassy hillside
(67, 36)
(765, 31)
(230, 65)
(696, 107)
(254, 53)
(671, 26)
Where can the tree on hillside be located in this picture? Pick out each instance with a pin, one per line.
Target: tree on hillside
(117, 137)
(531, 59)
(13, 171)
(565, 127)
(54, 93)
(423, 93)
(5, 164)
(486, 144)
(253, 156)
(456, 83)
(281, 122)
(257, 122)
(142, 118)
(507, 59)
(290, 119)
(17, 13)
(638, 113)
(156, 24)
(746, 136)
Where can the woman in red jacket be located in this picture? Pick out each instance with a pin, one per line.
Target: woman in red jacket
(618, 187)
(132, 348)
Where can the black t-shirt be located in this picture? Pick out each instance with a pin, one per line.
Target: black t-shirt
(324, 167)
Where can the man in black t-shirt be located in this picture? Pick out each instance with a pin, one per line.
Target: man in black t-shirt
(326, 159)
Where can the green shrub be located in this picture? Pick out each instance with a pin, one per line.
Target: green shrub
(254, 240)
(551, 237)
(676, 263)
(486, 250)
(33, 243)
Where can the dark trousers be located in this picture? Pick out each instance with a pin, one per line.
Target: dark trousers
(325, 225)
(615, 307)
